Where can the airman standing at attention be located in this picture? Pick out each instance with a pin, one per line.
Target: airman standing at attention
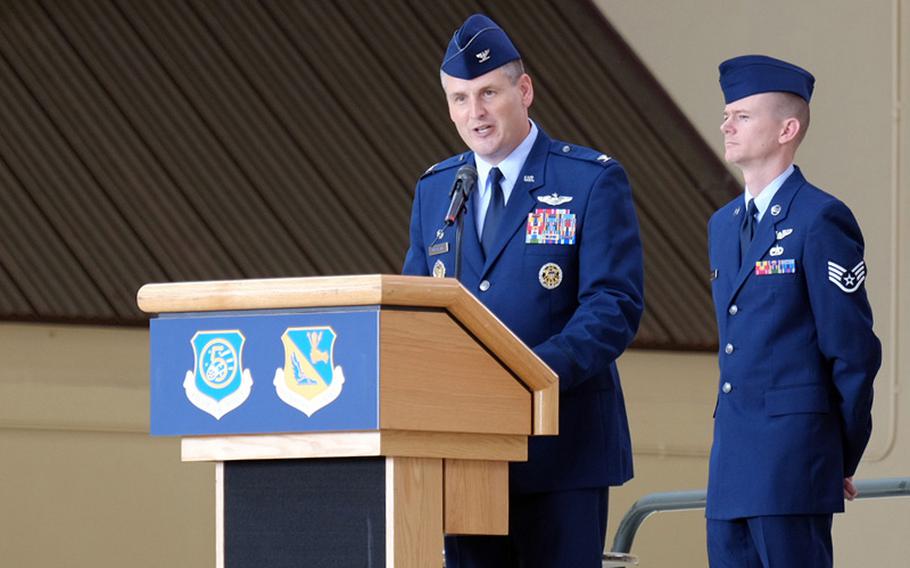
(797, 350)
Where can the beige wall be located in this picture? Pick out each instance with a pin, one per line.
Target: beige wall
(858, 148)
(82, 484)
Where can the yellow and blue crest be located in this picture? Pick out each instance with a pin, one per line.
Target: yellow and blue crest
(309, 379)
(218, 383)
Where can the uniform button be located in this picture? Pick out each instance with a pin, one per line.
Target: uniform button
(728, 349)
(566, 148)
(733, 309)
(485, 285)
(726, 388)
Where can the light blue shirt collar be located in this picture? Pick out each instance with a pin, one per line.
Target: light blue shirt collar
(767, 194)
(510, 167)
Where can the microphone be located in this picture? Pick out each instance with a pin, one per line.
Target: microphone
(464, 183)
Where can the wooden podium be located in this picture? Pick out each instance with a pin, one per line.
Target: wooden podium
(353, 420)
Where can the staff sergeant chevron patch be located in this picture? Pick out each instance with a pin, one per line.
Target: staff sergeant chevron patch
(847, 280)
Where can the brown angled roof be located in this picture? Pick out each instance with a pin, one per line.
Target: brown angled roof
(173, 140)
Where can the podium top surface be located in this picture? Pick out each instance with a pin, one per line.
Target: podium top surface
(327, 291)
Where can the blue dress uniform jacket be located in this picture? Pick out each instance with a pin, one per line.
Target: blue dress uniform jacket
(580, 326)
(797, 356)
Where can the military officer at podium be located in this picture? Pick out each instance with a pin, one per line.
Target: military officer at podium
(797, 350)
(551, 245)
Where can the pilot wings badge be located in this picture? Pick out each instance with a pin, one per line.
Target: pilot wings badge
(850, 280)
(218, 382)
(309, 379)
(554, 199)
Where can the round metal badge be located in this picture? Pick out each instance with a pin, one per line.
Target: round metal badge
(775, 211)
(550, 275)
(439, 269)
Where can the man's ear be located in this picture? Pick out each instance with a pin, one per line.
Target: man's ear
(527, 90)
(789, 131)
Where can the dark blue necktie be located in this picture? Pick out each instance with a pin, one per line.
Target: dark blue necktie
(494, 212)
(747, 231)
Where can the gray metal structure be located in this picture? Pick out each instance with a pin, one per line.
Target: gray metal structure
(688, 500)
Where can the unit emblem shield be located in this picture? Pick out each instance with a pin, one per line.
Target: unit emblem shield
(218, 382)
(309, 379)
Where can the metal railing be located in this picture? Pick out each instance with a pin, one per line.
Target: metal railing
(688, 500)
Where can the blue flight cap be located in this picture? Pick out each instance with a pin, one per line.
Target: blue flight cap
(751, 74)
(478, 47)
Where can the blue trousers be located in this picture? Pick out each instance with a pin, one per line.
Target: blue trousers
(546, 530)
(784, 541)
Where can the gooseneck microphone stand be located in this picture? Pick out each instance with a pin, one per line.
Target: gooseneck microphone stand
(465, 180)
(459, 228)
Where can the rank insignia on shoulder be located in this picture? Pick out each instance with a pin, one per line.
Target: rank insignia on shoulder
(439, 269)
(603, 158)
(768, 267)
(713, 276)
(554, 199)
(550, 227)
(848, 281)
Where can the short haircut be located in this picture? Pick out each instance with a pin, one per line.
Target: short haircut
(513, 70)
(789, 105)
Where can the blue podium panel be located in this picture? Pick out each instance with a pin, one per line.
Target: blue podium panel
(260, 372)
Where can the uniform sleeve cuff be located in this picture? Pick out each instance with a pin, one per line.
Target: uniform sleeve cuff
(557, 361)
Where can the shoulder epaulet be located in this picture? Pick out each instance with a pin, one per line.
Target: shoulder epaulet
(579, 152)
(456, 160)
